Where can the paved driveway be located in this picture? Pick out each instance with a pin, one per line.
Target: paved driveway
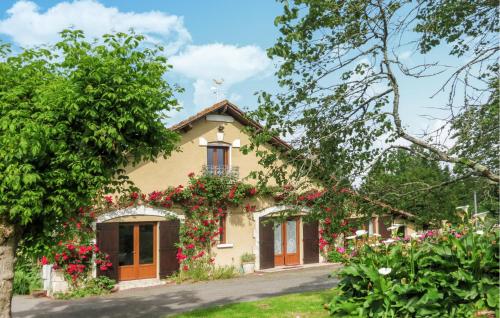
(163, 300)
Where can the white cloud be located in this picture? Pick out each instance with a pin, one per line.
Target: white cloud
(28, 26)
(234, 64)
(405, 55)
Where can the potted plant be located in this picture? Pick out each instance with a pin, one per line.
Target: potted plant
(248, 263)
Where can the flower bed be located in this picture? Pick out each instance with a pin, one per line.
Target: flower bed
(451, 273)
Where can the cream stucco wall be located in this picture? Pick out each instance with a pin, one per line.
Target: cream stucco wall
(190, 157)
(172, 171)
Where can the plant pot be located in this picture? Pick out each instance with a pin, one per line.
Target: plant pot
(248, 268)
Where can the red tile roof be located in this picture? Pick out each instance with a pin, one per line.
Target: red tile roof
(235, 112)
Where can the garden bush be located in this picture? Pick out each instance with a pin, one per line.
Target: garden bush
(27, 279)
(450, 273)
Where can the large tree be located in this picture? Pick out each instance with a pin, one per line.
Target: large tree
(425, 187)
(72, 116)
(341, 72)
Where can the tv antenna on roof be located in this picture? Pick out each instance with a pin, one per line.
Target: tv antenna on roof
(216, 89)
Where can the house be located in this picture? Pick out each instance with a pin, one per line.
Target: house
(141, 240)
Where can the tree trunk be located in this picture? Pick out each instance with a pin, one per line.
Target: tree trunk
(9, 238)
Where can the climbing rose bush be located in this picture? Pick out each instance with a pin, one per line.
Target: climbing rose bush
(207, 198)
(76, 261)
(74, 253)
(450, 273)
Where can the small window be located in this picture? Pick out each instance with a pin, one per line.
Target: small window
(222, 225)
(217, 159)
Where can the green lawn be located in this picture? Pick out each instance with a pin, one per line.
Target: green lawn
(305, 305)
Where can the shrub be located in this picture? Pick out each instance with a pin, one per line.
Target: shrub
(27, 279)
(76, 261)
(451, 274)
(224, 272)
(101, 285)
(337, 255)
(200, 271)
(248, 258)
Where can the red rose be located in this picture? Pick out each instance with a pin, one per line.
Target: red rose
(103, 268)
(185, 268)
(109, 199)
(252, 191)
(134, 196)
(44, 260)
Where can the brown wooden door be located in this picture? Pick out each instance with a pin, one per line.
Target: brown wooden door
(311, 242)
(383, 223)
(266, 244)
(137, 250)
(107, 241)
(169, 237)
(287, 243)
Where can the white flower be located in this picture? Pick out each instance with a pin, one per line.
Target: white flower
(361, 232)
(481, 215)
(352, 237)
(385, 271)
(388, 241)
(375, 244)
(479, 232)
(415, 235)
(394, 227)
(376, 235)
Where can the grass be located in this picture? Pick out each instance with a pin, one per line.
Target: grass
(305, 305)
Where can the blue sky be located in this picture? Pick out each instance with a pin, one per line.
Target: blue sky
(241, 30)
(204, 40)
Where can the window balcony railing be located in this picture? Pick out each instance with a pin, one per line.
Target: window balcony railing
(229, 171)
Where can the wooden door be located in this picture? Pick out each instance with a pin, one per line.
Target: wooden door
(311, 242)
(266, 244)
(169, 237)
(383, 223)
(287, 243)
(107, 240)
(137, 251)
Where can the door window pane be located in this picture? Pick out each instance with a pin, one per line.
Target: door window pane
(146, 244)
(126, 244)
(277, 240)
(291, 237)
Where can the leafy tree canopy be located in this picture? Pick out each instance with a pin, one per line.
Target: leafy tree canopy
(71, 117)
(424, 187)
(340, 72)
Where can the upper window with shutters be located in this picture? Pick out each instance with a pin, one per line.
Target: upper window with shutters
(219, 160)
